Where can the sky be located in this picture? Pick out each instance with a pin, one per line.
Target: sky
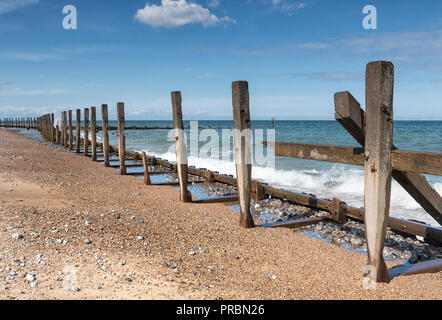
(294, 54)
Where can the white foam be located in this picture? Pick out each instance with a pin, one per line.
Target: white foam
(344, 182)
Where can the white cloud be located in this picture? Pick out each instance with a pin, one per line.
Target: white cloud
(9, 89)
(213, 3)
(177, 13)
(11, 5)
(287, 6)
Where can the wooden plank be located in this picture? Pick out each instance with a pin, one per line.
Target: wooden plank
(414, 161)
(105, 135)
(430, 266)
(121, 139)
(86, 132)
(414, 183)
(349, 114)
(151, 173)
(318, 152)
(243, 159)
(377, 177)
(94, 133)
(77, 130)
(146, 170)
(401, 160)
(298, 198)
(218, 200)
(127, 165)
(174, 183)
(180, 146)
(70, 130)
(294, 224)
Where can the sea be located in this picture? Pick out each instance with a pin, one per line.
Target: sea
(215, 152)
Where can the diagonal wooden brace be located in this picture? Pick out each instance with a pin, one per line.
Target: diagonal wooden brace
(349, 114)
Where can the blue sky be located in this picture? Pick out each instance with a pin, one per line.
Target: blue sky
(295, 55)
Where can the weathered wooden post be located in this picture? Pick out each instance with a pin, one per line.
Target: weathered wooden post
(65, 129)
(61, 127)
(71, 138)
(147, 180)
(180, 146)
(337, 212)
(53, 132)
(94, 133)
(377, 179)
(257, 191)
(57, 134)
(243, 159)
(121, 138)
(105, 135)
(86, 132)
(77, 130)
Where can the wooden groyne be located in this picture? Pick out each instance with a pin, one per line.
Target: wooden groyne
(22, 123)
(372, 129)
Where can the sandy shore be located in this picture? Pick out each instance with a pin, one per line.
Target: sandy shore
(81, 225)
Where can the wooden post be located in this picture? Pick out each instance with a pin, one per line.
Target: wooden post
(180, 146)
(121, 139)
(257, 191)
(208, 177)
(377, 178)
(146, 169)
(86, 132)
(337, 211)
(242, 138)
(70, 130)
(57, 135)
(94, 133)
(105, 135)
(77, 130)
(62, 129)
(65, 129)
(53, 129)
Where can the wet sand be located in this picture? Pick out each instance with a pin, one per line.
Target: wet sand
(116, 238)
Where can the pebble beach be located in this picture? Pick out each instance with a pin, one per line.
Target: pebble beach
(73, 229)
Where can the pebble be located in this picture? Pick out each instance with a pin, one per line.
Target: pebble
(192, 253)
(356, 242)
(16, 236)
(30, 277)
